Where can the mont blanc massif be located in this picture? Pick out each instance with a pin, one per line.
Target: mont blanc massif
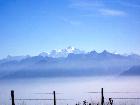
(69, 62)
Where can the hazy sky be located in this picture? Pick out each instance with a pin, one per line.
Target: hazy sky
(33, 26)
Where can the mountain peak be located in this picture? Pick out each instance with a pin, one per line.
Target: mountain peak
(93, 52)
(62, 52)
(70, 47)
(44, 54)
(105, 52)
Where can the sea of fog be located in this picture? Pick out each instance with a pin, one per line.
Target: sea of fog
(74, 89)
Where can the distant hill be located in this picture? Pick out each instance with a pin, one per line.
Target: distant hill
(133, 71)
(76, 63)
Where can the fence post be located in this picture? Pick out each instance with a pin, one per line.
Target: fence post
(12, 97)
(54, 97)
(102, 96)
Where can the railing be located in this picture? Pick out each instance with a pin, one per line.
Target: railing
(110, 100)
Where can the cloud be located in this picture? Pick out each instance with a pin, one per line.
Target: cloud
(86, 4)
(111, 12)
(72, 22)
(95, 7)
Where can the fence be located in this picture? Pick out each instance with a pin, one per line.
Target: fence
(110, 100)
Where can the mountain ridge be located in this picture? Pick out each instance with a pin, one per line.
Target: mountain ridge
(74, 64)
(133, 71)
(58, 53)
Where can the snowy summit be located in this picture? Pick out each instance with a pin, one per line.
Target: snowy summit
(62, 52)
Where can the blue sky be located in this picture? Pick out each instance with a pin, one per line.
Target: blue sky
(34, 26)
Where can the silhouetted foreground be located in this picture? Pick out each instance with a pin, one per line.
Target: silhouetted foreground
(85, 102)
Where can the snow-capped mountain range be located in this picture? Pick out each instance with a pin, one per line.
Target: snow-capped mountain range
(68, 62)
(62, 52)
(56, 53)
(59, 53)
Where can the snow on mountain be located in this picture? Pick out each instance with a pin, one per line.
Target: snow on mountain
(62, 52)
(75, 62)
